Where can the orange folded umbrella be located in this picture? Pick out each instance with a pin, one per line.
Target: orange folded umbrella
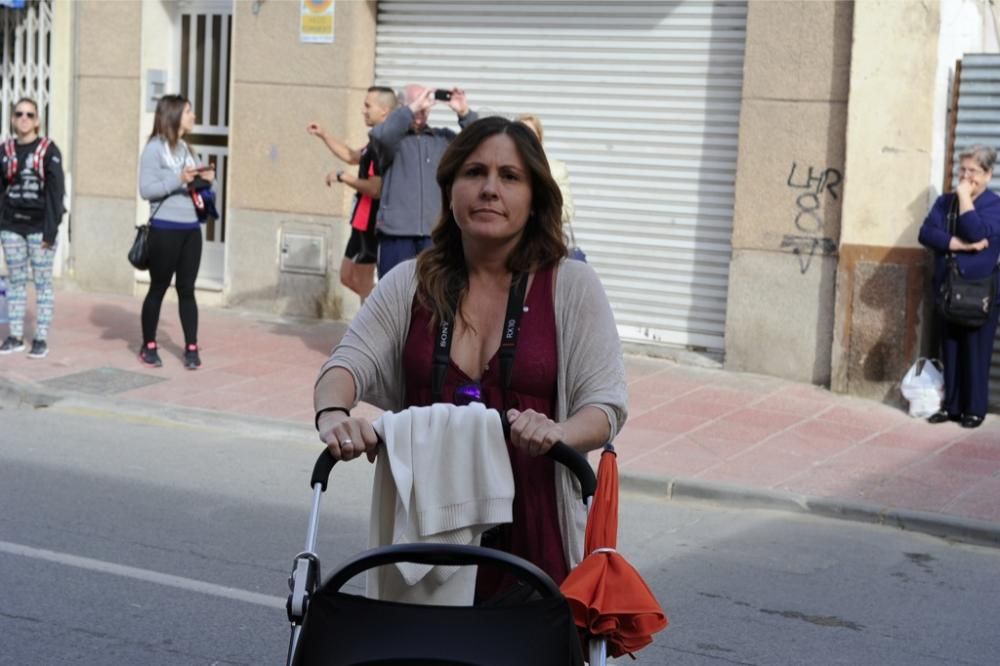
(608, 597)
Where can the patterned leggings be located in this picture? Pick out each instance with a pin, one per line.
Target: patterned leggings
(18, 252)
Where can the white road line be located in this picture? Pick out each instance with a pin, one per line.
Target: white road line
(143, 575)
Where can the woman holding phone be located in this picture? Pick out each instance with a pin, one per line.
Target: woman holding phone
(166, 169)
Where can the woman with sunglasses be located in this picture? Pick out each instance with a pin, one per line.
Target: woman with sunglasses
(975, 243)
(501, 228)
(166, 169)
(31, 208)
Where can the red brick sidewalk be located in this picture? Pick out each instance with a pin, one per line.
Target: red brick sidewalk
(685, 422)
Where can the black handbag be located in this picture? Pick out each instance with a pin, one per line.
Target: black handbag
(960, 300)
(138, 254)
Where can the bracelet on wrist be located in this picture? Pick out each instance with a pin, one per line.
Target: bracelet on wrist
(345, 410)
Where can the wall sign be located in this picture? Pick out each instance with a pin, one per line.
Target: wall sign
(316, 22)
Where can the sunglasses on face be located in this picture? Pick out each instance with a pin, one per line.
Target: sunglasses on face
(21, 114)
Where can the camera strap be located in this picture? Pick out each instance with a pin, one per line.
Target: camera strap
(508, 341)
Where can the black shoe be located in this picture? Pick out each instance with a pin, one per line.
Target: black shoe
(11, 345)
(941, 417)
(148, 355)
(971, 421)
(191, 359)
(39, 349)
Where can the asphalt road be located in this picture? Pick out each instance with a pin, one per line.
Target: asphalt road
(129, 537)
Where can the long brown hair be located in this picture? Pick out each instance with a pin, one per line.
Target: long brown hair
(167, 121)
(442, 276)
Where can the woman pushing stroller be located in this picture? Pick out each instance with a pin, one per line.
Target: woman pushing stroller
(497, 256)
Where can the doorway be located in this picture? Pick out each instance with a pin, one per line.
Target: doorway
(204, 37)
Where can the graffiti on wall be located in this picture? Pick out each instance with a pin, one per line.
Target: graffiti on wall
(811, 184)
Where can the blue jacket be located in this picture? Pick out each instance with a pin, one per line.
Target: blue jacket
(981, 222)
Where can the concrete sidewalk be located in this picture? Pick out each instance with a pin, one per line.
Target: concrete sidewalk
(692, 431)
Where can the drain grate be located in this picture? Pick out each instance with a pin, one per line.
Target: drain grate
(102, 381)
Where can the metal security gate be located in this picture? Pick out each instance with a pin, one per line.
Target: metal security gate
(977, 87)
(205, 34)
(24, 58)
(640, 99)
(25, 71)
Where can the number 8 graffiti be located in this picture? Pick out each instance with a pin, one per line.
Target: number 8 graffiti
(808, 210)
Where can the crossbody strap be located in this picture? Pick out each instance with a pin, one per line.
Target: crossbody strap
(952, 228)
(953, 216)
(155, 211)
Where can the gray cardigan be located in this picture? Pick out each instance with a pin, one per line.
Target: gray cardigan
(591, 370)
(160, 181)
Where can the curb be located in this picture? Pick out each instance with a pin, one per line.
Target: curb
(26, 394)
(952, 528)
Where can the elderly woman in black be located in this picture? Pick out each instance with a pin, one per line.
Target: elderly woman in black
(166, 169)
(975, 243)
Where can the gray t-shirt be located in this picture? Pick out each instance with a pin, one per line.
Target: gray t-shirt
(160, 181)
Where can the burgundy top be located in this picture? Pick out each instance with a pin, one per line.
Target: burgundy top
(534, 533)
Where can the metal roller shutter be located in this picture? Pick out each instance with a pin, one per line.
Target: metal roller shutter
(979, 122)
(642, 102)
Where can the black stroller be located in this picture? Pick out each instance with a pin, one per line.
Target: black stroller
(333, 628)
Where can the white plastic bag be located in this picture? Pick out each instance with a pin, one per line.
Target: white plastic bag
(923, 386)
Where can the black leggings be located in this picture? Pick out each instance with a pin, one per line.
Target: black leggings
(172, 251)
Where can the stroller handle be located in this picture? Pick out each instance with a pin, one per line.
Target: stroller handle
(560, 453)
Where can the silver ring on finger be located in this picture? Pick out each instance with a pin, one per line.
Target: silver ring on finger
(346, 441)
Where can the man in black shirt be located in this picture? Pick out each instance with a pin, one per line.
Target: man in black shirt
(357, 269)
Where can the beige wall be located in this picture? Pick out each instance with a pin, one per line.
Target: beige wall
(789, 188)
(61, 80)
(890, 123)
(158, 52)
(60, 114)
(105, 162)
(881, 280)
(277, 170)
